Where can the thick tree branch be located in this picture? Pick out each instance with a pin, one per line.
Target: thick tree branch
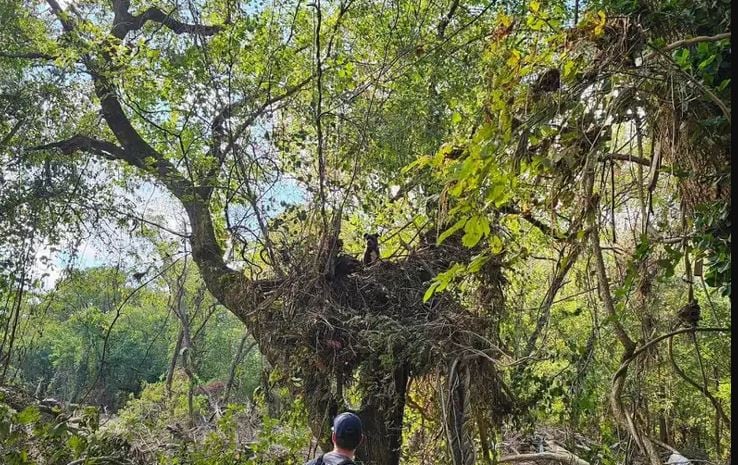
(63, 17)
(605, 294)
(625, 157)
(566, 458)
(205, 248)
(685, 43)
(444, 22)
(85, 144)
(622, 416)
(125, 22)
(227, 285)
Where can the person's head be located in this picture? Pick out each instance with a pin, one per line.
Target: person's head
(347, 431)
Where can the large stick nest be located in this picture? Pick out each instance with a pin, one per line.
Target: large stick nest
(376, 312)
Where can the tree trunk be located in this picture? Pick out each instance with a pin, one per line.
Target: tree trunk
(382, 415)
(240, 354)
(173, 364)
(456, 414)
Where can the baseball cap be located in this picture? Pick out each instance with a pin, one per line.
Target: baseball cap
(347, 426)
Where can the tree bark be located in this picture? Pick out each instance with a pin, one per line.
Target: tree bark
(381, 415)
(457, 416)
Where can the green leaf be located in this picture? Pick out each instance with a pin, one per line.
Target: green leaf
(495, 244)
(430, 291)
(419, 162)
(447, 233)
(476, 228)
(568, 69)
(496, 193)
(77, 444)
(477, 263)
(706, 62)
(681, 57)
(29, 415)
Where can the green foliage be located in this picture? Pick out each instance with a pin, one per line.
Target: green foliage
(78, 321)
(712, 225)
(226, 441)
(423, 121)
(32, 437)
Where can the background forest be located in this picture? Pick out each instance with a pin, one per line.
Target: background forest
(188, 189)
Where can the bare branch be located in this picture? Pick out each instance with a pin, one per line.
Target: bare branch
(703, 389)
(563, 265)
(652, 342)
(685, 43)
(230, 109)
(561, 457)
(527, 216)
(218, 129)
(709, 93)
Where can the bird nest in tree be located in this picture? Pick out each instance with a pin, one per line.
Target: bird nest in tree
(374, 311)
(369, 329)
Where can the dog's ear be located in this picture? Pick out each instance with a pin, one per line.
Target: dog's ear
(366, 236)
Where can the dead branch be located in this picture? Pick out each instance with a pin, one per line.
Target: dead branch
(561, 457)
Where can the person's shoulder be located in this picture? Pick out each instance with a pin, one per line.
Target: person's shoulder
(333, 458)
(347, 461)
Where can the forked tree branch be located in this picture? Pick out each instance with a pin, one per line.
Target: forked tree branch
(125, 22)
